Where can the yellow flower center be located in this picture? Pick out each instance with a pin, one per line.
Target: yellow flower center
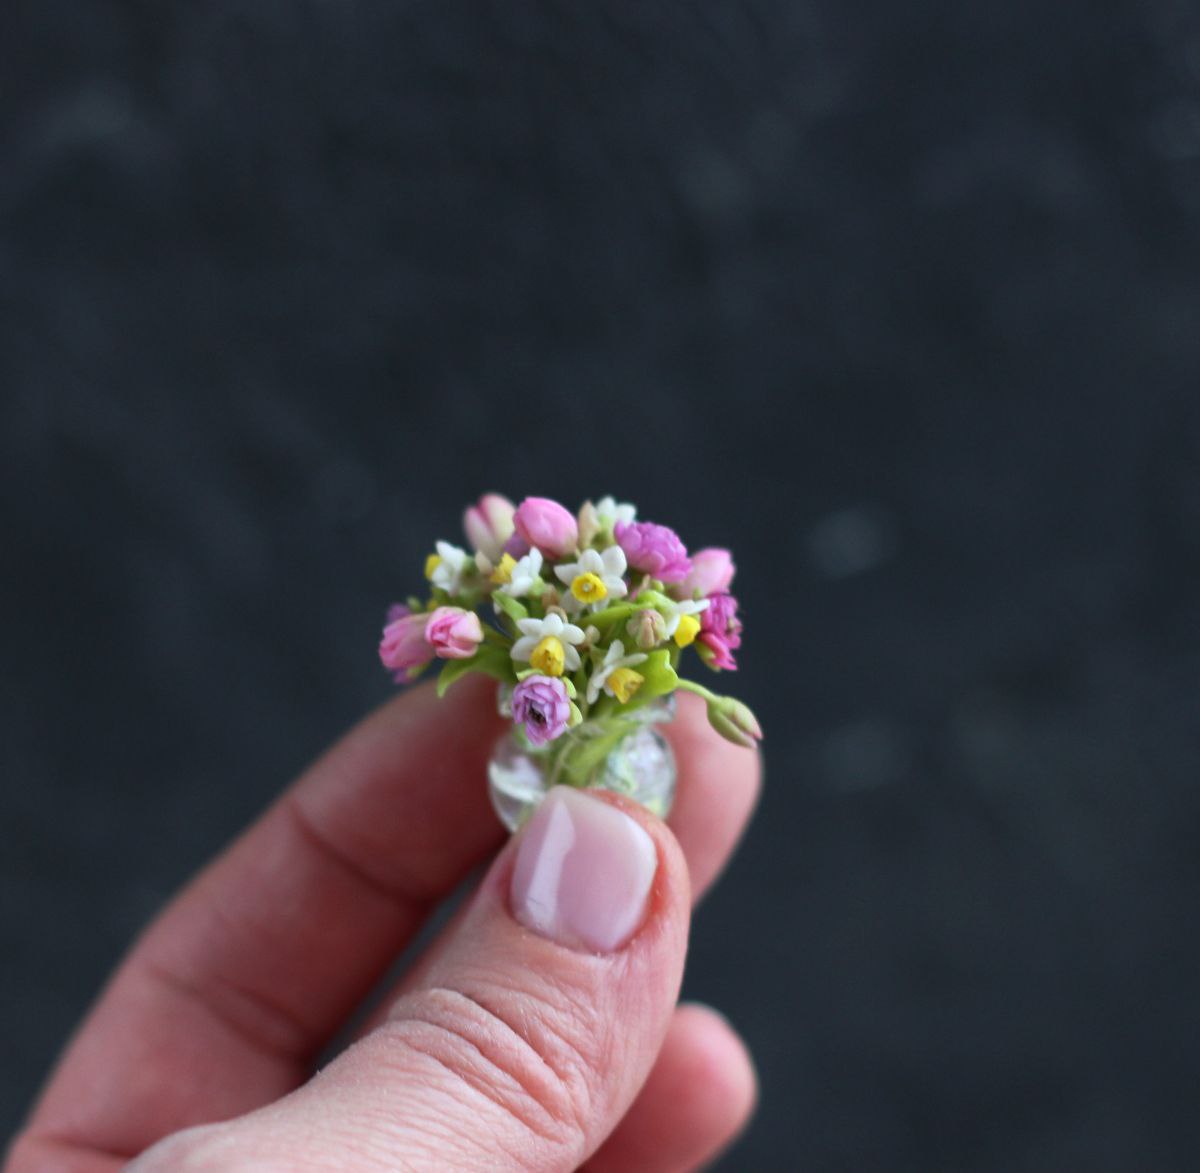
(589, 588)
(431, 564)
(502, 573)
(689, 625)
(624, 682)
(547, 657)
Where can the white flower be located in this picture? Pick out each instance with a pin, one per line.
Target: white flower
(452, 562)
(533, 631)
(608, 512)
(672, 612)
(607, 567)
(614, 659)
(524, 574)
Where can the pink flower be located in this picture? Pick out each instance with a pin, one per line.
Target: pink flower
(711, 574)
(455, 634)
(720, 632)
(488, 524)
(404, 648)
(654, 549)
(547, 525)
(541, 704)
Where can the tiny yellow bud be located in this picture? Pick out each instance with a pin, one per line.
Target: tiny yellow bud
(625, 682)
(547, 657)
(503, 571)
(589, 588)
(431, 564)
(689, 625)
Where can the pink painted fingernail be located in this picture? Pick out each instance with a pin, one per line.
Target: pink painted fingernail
(583, 872)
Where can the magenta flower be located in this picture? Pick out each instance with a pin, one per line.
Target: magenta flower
(653, 549)
(720, 632)
(540, 703)
(547, 525)
(488, 524)
(711, 574)
(453, 633)
(404, 648)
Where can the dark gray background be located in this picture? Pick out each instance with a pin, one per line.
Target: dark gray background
(898, 300)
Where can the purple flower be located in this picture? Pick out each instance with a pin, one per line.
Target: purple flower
(541, 704)
(720, 632)
(654, 549)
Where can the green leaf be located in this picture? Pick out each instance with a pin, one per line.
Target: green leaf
(490, 660)
(506, 603)
(658, 678)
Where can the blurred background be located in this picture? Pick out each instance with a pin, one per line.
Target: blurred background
(899, 301)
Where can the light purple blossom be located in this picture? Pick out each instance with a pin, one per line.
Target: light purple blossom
(540, 703)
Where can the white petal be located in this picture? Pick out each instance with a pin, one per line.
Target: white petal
(523, 648)
(571, 634)
(614, 560)
(565, 573)
(531, 627)
(616, 588)
(571, 660)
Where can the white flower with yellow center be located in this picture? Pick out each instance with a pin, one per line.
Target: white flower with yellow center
(615, 675)
(549, 644)
(594, 580)
(523, 574)
(681, 622)
(445, 569)
(609, 512)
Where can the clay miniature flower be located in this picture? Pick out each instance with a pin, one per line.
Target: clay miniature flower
(454, 634)
(547, 525)
(446, 568)
(488, 524)
(615, 675)
(549, 644)
(595, 579)
(609, 513)
(720, 633)
(541, 705)
(404, 649)
(523, 575)
(654, 549)
(680, 620)
(711, 574)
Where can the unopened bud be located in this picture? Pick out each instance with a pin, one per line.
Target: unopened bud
(648, 629)
(734, 721)
(589, 524)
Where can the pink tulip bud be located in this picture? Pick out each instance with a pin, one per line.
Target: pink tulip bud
(454, 634)
(547, 525)
(711, 574)
(404, 648)
(488, 524)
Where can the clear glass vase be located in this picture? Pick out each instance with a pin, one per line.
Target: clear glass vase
(622, 751)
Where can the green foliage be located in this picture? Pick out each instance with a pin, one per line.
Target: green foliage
(491, 660)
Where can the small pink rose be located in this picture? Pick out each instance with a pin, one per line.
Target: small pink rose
(547, 525)
(453, 633)
(488, 524)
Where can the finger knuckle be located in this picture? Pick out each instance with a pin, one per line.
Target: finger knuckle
(530, 1059)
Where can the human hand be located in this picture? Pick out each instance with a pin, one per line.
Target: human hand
(506, 1047)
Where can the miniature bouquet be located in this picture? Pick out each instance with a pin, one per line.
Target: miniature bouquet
(588, 617)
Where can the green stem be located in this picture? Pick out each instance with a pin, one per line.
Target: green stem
(698, 689)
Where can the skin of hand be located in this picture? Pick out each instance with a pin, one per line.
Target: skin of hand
(540, 1031)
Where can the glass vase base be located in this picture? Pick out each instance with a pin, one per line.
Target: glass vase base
(640, 767)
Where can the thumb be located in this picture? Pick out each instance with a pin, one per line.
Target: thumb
(525, 1034)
